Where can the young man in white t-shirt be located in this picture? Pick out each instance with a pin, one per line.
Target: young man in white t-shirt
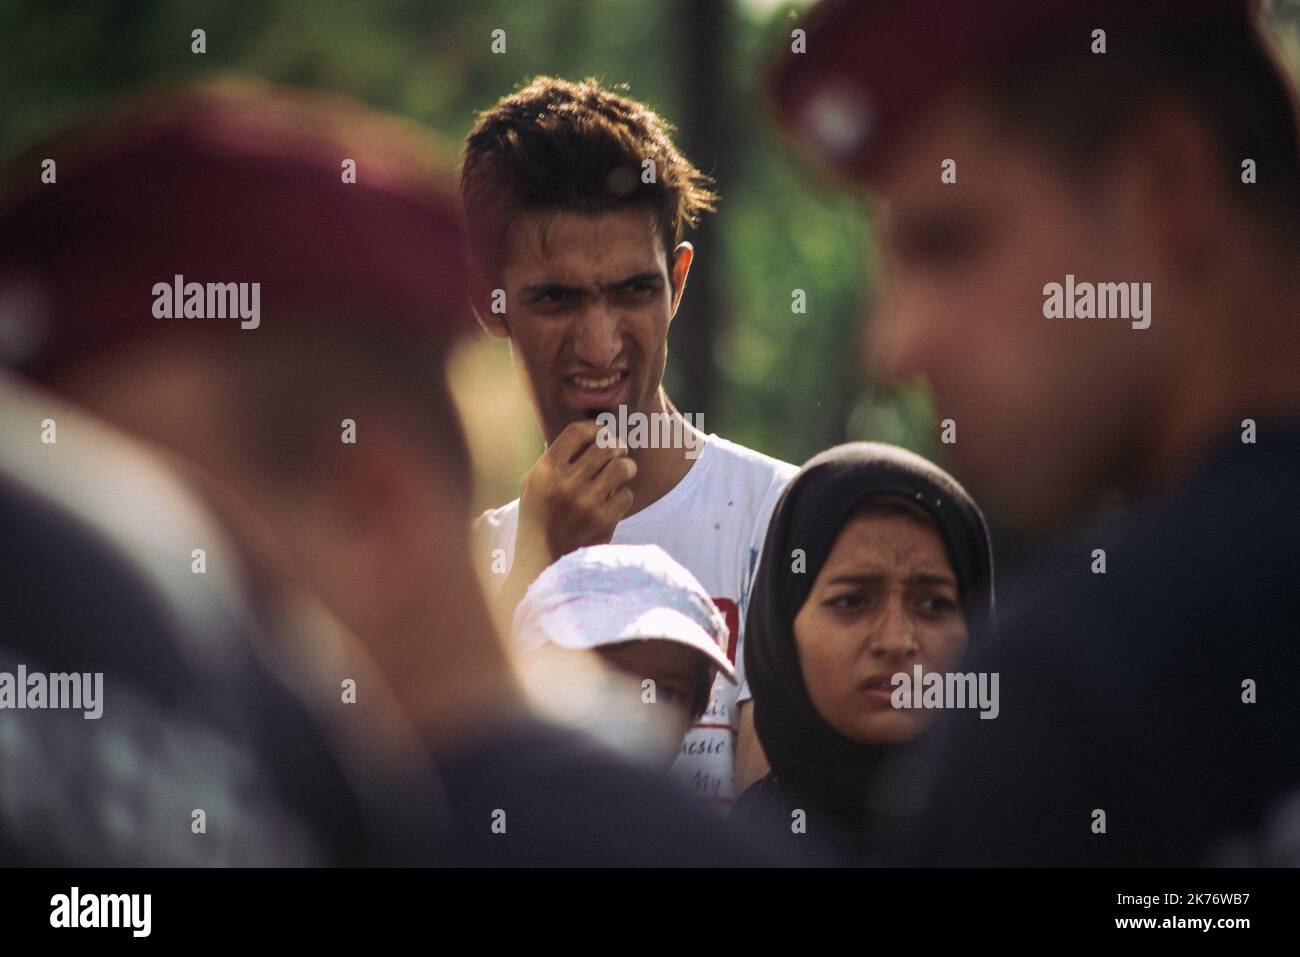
(576, 202)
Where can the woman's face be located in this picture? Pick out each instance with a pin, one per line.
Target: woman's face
(884, 601)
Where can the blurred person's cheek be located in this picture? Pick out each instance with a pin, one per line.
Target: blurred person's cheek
(907, 340)
(1049, 394)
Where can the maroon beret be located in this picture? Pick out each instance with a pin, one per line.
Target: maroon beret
(870, 67)
(226, 183)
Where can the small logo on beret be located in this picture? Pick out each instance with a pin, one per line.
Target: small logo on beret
(837, 122)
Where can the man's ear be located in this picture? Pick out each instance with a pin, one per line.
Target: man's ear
(370, 521)
(683, 256)
(1175, 184)
(483, 299)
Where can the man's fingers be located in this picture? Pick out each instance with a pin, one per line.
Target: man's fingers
(617, 473)
(594, 460)
(619, 504)
(578, 488)
(573, 441)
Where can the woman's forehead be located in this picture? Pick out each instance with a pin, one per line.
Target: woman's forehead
(887, 540)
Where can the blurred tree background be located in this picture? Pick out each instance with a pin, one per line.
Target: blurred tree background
(786, 383)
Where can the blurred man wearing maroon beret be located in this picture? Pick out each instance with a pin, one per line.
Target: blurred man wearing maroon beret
(267, 283)
(1091, 224)
(203, 273)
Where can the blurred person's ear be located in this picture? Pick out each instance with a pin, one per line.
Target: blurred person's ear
(377, 523)
(1170, 191)
(683, 256)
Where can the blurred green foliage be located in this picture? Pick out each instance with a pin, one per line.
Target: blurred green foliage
(785, 383)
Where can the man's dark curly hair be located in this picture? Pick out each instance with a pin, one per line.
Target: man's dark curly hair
(556, 145)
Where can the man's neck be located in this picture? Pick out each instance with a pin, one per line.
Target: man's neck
(659, 470)
(448, 667)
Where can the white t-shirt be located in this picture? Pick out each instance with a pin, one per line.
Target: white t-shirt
(713, 521)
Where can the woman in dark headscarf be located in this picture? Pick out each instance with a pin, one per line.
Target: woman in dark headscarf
(875, 561)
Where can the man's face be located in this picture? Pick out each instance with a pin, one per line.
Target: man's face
(589, 301)
(1047, 411)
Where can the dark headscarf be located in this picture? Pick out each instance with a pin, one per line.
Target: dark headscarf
(807, 756)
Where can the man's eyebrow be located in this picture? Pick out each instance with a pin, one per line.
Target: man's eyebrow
(545, 287)
(920, 221)
(925, 222)
(549, 286)
(638, 278)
